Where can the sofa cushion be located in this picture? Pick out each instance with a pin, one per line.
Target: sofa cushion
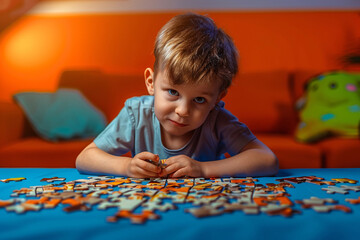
(262, 101)
(341, 152)
(107, 92)
(292, 154)
(65, 114)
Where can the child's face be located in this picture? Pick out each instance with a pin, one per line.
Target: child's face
(182, 108)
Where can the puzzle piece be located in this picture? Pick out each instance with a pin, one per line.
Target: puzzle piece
(214, 196)
(137, 218)
(319, 204)
(280, 198)
(249, 181)
(46, 202)
(100, 178)
(284, 210)
(75, 205)
(23, 208)
(12, 179)
(158, 205)
(52, 179)
(352, 188)
(334, 189)
(298, 180)
(122, 204)
(316, 201)
(204, 211)
(113, 182)
(353, 201)
(328, 208)
(344, 180)
(291, 180)
(272, 187)
(61, 195)
(247, 208)
(161, 163)
(9, 202)
(322, 182)
(29, 192)
(84, 181)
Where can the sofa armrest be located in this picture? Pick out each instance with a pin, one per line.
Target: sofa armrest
(12, 122)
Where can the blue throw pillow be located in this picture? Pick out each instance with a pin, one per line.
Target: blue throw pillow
(65, 114)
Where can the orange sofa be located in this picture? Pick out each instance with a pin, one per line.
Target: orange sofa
(262, 100)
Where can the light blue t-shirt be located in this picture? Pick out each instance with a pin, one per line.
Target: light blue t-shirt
(136, 129)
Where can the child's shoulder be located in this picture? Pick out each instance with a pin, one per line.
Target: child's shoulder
(141, 101)
(137, 107)
(221, 114)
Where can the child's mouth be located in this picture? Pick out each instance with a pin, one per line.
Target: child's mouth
(178, 124)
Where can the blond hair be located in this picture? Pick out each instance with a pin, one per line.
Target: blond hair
(192, 49)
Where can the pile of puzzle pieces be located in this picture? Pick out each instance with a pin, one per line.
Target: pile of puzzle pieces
(142, 199)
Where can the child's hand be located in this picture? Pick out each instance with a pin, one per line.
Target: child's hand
(140, 167)
(182, 165)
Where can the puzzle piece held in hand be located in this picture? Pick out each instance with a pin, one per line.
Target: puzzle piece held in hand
(161, 163)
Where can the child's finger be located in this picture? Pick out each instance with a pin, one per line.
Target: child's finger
(146, 173)
(179, 173)
(170, 161)
(144, 164)
(169, 169)
(148, 156)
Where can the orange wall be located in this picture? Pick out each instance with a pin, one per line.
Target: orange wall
(36, 49)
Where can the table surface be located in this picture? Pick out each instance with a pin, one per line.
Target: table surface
(177, 224)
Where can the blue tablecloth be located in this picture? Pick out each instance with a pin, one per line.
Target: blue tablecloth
(177, 224)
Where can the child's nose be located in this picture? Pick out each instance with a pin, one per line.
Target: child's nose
(182, 109)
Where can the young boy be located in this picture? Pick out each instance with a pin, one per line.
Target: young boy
(183, 119)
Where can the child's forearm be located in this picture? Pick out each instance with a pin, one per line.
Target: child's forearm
(94, 160)
(255, 162)
(249, 163)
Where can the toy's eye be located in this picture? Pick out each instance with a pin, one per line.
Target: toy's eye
(314, 87)
(332, 85)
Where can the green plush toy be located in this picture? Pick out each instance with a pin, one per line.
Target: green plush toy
(331, 107)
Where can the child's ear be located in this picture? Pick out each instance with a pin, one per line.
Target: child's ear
(149, 80)
(221, 96)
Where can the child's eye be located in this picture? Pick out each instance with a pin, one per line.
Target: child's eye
(199, 100)
(173, 92)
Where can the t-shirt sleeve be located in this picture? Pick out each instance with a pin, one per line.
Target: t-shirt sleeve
(118, 137)
(232, 135)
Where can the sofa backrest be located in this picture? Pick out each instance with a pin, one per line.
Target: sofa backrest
(262, 100)
(107, 92)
